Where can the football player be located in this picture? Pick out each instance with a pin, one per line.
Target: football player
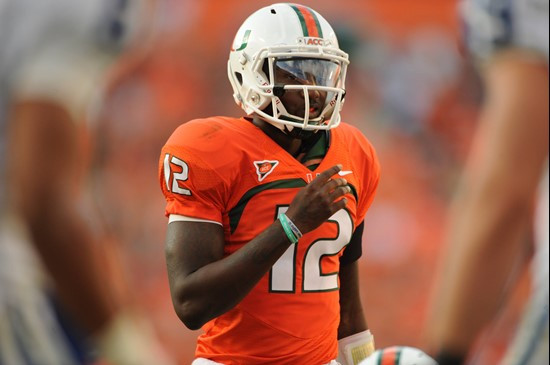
(266, 211)
(507, 171)
(54, 55)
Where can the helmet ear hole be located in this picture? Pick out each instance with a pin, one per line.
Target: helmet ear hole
(239, 77)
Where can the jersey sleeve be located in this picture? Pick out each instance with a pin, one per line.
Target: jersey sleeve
(367, 162)
(492, 25)
(189, 181)
(60, 51)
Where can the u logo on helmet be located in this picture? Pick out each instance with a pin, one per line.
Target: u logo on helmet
(244, 42)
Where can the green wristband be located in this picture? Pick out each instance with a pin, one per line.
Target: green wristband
(286, 227)
(293, 228)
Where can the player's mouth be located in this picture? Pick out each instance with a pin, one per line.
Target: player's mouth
(314, 110)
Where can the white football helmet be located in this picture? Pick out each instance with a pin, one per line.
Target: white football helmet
(297, 41)
(399, 355)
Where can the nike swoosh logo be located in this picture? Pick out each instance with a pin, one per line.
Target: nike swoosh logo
(344, 173)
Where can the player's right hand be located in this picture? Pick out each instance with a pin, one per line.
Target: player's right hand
(319, 200)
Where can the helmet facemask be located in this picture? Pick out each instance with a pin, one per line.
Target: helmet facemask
(303, 91)
(287, 75)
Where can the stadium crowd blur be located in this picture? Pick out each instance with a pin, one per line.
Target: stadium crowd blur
(409, 89)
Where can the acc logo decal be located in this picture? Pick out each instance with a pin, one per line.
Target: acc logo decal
(314, 41)
(264, 168)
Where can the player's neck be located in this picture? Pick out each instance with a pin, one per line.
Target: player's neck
(288, 143)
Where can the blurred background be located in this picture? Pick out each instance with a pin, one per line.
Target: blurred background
(409, 89)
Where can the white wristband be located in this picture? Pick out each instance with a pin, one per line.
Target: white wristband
(355, 348)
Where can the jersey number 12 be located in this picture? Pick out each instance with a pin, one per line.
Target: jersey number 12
(282, 277)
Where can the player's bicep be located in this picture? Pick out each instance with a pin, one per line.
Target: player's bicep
(191, 245)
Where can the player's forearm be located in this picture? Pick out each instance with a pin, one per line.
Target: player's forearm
(219, 286)
(352, 319)
(74, 261)
(355, 341)
(484, 252)
(45, 165)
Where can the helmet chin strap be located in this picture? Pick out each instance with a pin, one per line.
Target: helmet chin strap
(293, 132)
(299, 133)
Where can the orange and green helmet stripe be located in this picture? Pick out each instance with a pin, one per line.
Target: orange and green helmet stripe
(389, 356)
(308, 20)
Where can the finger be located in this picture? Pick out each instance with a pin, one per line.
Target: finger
(325, 175)
(333, 184)
(340, 204)
(339, 192)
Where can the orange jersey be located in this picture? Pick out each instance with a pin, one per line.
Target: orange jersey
(227, 170)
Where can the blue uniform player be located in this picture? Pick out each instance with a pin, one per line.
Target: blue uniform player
(507, 172)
